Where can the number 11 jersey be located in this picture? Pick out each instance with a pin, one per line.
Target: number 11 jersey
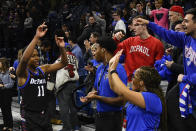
(35, 95)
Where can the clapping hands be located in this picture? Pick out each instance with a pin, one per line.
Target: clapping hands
(91, 95)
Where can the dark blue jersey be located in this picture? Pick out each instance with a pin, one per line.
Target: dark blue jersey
(34, 91)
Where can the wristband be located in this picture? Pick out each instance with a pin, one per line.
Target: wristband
(113, 71)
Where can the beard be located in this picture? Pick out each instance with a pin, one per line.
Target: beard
(189, 33)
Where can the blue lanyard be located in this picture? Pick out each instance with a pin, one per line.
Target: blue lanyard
(101, 76)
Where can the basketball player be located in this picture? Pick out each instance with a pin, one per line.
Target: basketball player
(32, 83)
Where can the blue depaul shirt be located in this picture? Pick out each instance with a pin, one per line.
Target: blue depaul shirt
(104, 87)
(95, 63)
(148, 119)
(188, 43)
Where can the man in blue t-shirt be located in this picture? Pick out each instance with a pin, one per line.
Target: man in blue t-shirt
(109, 104)
(187, 41)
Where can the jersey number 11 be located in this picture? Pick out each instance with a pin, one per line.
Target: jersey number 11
(40, 91)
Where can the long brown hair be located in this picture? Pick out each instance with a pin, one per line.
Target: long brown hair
(5, 64)
(152, 80)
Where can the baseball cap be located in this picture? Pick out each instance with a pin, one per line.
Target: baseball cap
(177, 9)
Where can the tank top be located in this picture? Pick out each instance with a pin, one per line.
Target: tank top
(35, 95)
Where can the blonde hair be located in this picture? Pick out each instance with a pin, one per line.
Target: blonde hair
(93, 46)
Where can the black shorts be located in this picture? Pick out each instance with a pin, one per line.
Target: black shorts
(37, 121)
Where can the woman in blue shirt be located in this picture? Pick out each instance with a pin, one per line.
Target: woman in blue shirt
(146, 107)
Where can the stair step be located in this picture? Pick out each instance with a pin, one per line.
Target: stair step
(89, 127)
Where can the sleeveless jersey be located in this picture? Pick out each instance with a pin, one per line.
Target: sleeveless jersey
(34, 92)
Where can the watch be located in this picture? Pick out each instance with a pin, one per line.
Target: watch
(113, 71)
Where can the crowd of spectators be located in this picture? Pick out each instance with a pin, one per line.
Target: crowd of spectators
(82, 23)
(19, 18)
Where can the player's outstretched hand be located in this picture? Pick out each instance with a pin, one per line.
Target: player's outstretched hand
(41, 30)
